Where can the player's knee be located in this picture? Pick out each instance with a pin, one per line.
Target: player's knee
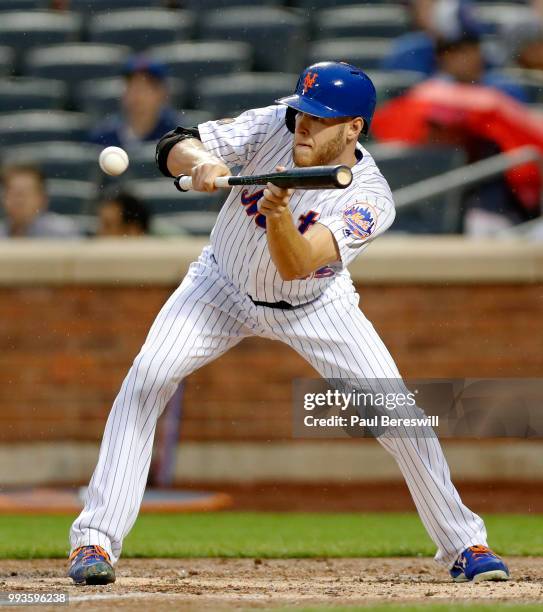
(150, 376)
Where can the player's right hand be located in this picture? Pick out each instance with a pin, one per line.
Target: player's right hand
(205, 173)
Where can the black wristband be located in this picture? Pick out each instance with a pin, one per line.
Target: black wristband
(166, 144)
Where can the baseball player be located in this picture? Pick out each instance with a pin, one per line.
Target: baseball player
(276, 267)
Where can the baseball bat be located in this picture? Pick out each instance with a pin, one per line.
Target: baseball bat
(314, 177)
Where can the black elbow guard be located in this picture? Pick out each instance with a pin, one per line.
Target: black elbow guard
(166, 144)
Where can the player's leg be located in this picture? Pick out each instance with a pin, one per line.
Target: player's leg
(340, 343)
(201, 320)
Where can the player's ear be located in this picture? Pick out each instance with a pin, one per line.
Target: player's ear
(354, 128)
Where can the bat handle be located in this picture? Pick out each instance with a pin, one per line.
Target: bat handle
(184, 182)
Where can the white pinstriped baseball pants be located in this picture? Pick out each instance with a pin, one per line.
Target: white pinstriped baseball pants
(202, 319)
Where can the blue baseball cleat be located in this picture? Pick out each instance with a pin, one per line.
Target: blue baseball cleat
(91, 565)
(478, 563)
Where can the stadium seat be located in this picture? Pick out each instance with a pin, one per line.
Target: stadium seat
(277, 36)
(404, 165)
(497, 15)
(314, 5)
(71, 197)
(25, 29)
(60, 159)
(7, 61)
(224, 96)
(76, 62)
(102, 97)
(162, 197)
(365, 53)
(390, 84)
(140, 29)
(142, 163)
(190, 117)
(530, 80)
(206, 5)
(34, 126)
(31, 94)
(98, 6)
(192, 61)
(23, 5)
(385, 21)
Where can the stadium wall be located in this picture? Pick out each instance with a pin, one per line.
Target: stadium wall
(74, 315)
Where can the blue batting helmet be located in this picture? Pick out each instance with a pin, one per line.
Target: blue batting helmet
(332, 89)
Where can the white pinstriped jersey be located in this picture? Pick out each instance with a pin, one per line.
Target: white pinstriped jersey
(258, 140)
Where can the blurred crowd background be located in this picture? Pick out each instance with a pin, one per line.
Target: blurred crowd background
(459, 82)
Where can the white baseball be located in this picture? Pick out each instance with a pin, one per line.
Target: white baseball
(113, 160)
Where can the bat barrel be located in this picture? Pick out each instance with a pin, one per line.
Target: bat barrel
(314, 177)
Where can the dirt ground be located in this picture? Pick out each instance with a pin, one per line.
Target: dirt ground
(226, 584)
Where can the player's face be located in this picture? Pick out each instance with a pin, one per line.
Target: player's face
(318, 141)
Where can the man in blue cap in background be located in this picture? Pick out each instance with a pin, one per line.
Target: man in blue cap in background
(146, 113)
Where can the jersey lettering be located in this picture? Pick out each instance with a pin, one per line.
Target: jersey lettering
(325, 272)
(251, 206)
(250, 202)
(307, 220)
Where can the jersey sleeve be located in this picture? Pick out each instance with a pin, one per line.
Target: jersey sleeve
(235, 141)
(357, 222)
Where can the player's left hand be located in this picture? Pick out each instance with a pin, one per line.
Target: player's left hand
(275, 200)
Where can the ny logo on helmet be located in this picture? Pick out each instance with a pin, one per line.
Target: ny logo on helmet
(309, 80)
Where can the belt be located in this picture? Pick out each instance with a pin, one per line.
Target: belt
(282, 305)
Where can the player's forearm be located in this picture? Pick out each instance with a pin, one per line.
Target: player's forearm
(291, 253)
(187, 154)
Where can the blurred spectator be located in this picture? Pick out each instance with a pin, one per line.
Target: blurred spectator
(123, 214)
(146, 114)
(415, 50)
(421, 14)
(449, 47)
(483, 122)
(25, 205)
(59, 5)
(537, 6)
(524, 43)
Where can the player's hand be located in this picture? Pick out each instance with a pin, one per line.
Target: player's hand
(275, 200)
(205, 173)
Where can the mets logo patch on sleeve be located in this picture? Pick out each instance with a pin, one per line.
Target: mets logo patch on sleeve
(360, 220)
